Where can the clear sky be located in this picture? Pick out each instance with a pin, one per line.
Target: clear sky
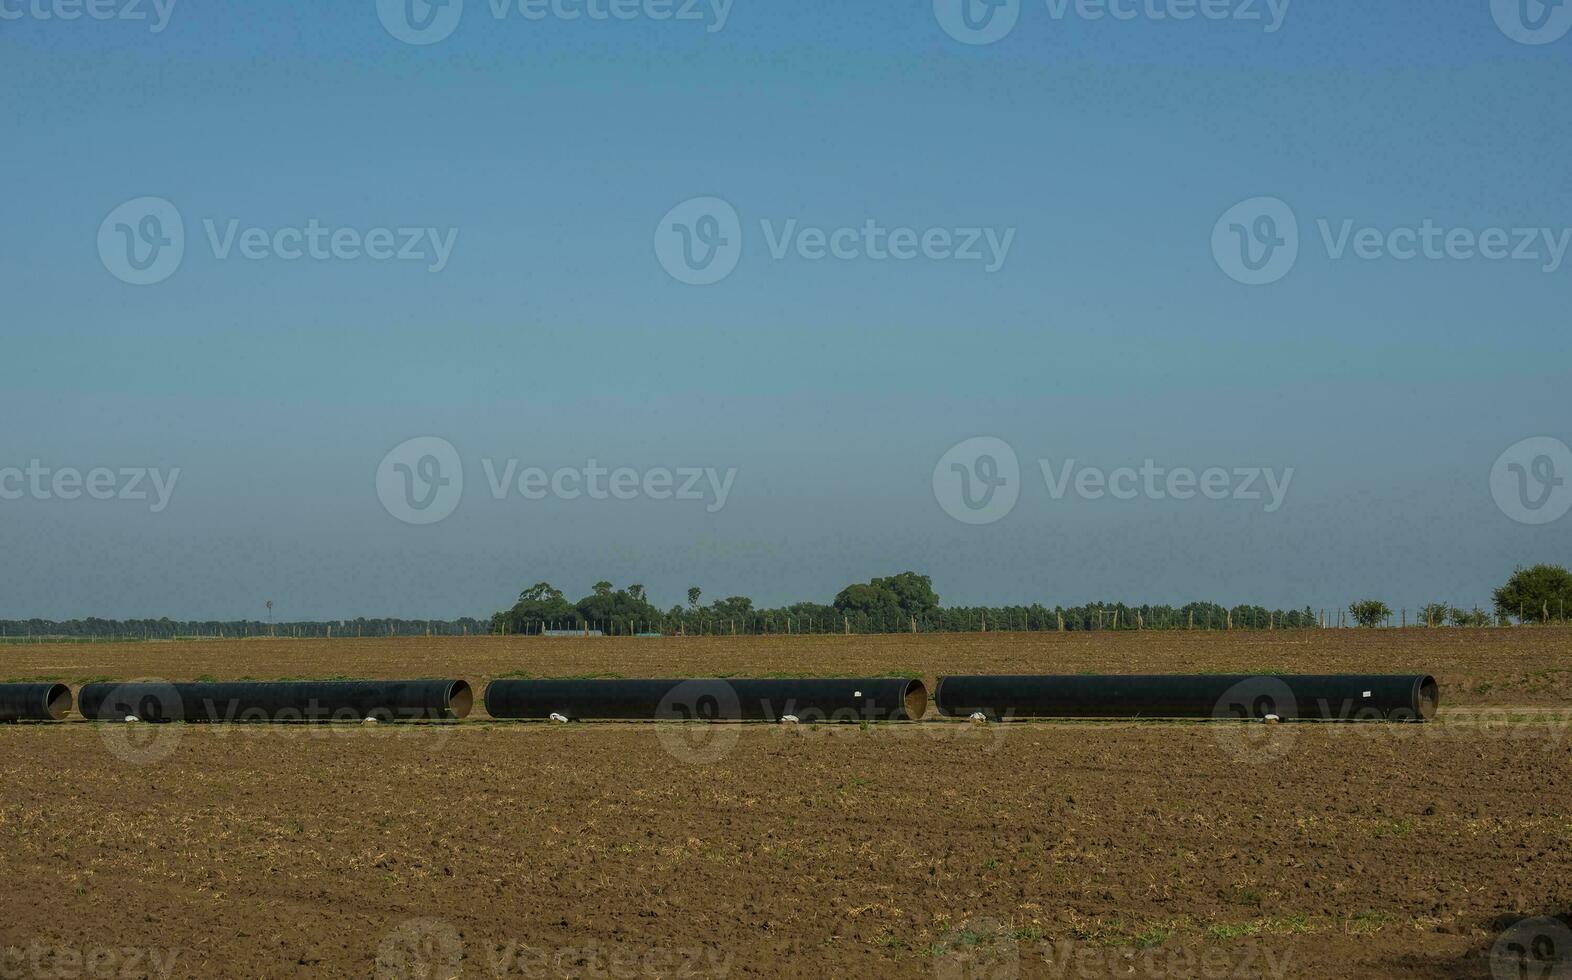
(542, 163)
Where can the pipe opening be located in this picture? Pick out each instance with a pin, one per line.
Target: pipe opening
(1429, 698)
(58, 701)
(460, 699)
(916, 701)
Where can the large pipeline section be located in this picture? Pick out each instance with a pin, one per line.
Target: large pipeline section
(278, 701)
(1307, 697)
(34, 702)
(809, 700)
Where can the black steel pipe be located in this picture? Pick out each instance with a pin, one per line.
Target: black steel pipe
(34, 702)
(710, 699)
(278, 701)
(1310, 697)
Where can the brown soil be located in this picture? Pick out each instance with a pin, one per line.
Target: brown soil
(936, 849)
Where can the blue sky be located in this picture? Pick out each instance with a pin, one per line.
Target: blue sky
(553, 150)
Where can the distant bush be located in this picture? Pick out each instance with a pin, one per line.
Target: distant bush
(1536, 595)
(1369, 612)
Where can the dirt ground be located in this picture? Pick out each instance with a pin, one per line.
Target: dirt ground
(933, 850)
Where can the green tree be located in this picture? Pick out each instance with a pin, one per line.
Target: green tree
(908, 594)
(607, 607)
(1369, 612)
(737, 607)
(1536, 594)
(866, 598)
(694, 595)
(540, 605)
(913, 593)
(1434, 613)
(1465, 617)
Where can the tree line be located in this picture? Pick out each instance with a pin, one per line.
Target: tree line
(93, 627)
(1539, 594)
(900, 603)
